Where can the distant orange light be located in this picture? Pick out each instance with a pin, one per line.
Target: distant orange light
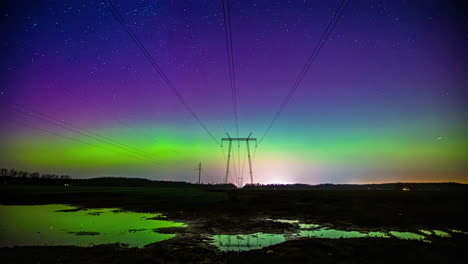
(405, 189)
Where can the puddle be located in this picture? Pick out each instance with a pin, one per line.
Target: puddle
(246, 242)
(426, 232)
(260, 240)
(456, 231)
(284, 221)
(331, 233)
(406, 235)
(378, 235)
(440, 233)
(308, 226)
(55, 224)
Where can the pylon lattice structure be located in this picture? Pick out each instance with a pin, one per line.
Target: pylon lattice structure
(247, 143)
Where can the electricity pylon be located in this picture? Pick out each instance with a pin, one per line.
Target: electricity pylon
(199, 169)
(230, 140)
(199, 173)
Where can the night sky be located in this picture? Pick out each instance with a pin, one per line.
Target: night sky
(384, 101)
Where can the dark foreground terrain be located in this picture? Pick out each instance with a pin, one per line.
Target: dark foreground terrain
(210, 212)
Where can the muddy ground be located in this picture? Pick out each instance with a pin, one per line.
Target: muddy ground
(210, 212)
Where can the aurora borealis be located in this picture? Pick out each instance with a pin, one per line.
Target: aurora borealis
(384, 101)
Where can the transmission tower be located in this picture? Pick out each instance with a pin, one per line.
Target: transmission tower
(199, 169)
(247, 143)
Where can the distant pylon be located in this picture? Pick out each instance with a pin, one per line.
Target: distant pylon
(199, 172)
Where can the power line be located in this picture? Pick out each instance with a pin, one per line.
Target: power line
(69, 129)
(67, 126)
(65, 137)
(97, 108)
(108, 115)
(158, 69)
(232, 77)
(230, 55)
(325, 35)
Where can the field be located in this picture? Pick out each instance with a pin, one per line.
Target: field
(214, 212)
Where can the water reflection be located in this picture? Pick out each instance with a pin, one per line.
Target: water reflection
(456, 231)
(246, 242)
(331, 233)
(62, 225)
(406, 235)
(426, 232)
(378, 235)
(66, 225)
(284, 221)
(308, 226)
(259, 240)
(441, 233)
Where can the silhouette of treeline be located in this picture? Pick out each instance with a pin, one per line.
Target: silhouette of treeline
(141, 182)
(399, 186)
(12, 173)
(12, 176)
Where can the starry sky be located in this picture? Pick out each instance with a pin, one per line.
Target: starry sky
(384, 101)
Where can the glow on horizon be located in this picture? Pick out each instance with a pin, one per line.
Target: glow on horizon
(294, 161)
